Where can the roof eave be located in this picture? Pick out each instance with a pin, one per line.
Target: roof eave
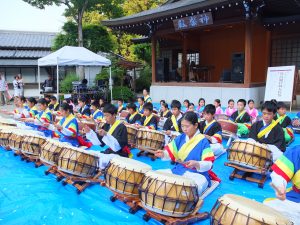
(128, 20)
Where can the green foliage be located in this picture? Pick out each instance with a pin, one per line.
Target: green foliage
(117, 73)
(123, 93)
(144, 80)
(143, 52)
(66, 84)
(73, 7)
(96, 37)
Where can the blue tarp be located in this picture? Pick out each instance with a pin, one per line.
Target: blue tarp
(28, 196)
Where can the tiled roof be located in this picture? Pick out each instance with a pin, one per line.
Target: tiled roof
(23, 53)
(26, 39)
(166, 9)
(18, 62)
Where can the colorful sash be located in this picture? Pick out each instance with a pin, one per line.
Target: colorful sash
(208, 126)
(114, 126)
(33, 111)
(67, 120)
(240, 115)
(185, 149)
(266, 129)
(174, 122)
(147, 119)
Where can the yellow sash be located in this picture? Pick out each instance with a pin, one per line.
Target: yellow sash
(148, 119)
(282, 118)
(207, 125)
(114, 126)
(147, 98)
(240, 115)
(94, 114)
(268, 128)
(120, 108)
(67, 120)
(132, 116)
(140, 108)
(174, 122)
(189, 146)
(56, 104)
(165, 113)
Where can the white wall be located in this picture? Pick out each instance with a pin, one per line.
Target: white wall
(90, 74)
(193, 94)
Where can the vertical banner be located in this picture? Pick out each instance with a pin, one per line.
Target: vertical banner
(280, 83)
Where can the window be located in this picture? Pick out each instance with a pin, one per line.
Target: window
(286, 52)
(191, 57)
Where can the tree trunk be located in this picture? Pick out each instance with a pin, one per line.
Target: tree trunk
(80, 44)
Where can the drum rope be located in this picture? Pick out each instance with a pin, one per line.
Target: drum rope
(235, 214)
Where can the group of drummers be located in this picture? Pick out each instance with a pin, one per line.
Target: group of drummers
(193, 137)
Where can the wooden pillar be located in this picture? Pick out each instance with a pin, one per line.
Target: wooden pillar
(269, 48)
(184, 58)
(153, 48)
(248, 52)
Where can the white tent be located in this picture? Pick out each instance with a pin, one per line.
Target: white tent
(72, 56)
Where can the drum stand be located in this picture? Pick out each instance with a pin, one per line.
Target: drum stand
(7, 148)
(132, 202)
(247, 174)
(28, 158)
(168, 220)
(147, 152)
(80, 183)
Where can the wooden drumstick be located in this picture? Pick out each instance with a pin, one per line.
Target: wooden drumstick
(275, 188)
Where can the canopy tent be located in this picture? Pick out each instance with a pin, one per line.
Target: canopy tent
(73, 56)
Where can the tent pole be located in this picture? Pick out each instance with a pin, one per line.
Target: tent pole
(57, 80)
(110, 85)
(39, 80)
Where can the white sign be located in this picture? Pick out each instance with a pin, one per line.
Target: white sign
(280, 83)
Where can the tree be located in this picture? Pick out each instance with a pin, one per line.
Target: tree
(135, 6)
(75, 9)
(96, 37)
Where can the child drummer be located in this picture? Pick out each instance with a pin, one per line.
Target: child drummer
(172, 125)
(191, 152)
(54, 104)
(133, 116)
(268, 131)
(148, 120)
(285, 122)
(242, 118)
(212, 129)
(287, 169)
(112, 136)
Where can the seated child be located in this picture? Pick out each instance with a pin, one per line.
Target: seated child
(242, 118)
(230, 109)
(287, 169)
(252, 111)
(148, 120)
(191, 153)
(285, 122)
(217, 104)
(268, 131)
(212, 129)
(133, 116)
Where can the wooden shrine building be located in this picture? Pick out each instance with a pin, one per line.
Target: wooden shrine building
(216, 48)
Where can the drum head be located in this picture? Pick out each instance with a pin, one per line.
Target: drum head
(131, 164)
(170, 178)
(255, 210)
